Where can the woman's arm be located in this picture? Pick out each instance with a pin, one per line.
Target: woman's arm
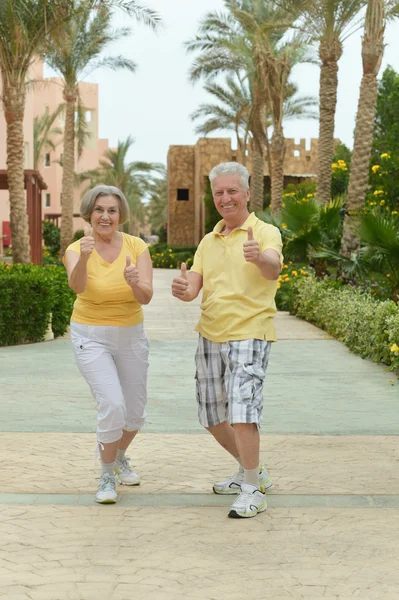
(139, 277)
(76, 266)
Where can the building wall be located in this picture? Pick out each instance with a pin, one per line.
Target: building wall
(189, 167)
(47, 93)
(50, 95)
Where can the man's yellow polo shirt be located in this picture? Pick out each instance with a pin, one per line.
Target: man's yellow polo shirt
(237, 302)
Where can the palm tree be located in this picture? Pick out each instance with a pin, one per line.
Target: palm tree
(245, 41)
(130, 177)
(157, 191)
(234, 109)
(72, 56)
(44, 131)
(25, 28)
(372, 52)
(231, 113)
(329, 23)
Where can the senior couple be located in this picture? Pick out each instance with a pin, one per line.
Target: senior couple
(237, 267)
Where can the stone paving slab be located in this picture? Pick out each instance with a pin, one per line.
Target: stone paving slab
(312, 387)
(189, 464)
(117, 553)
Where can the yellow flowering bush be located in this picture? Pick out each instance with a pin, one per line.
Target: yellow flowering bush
(171, 257)
(290, 273)
(384, 184)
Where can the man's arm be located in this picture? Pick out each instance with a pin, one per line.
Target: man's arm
(269, 264)
(268, 261)
(187, 286)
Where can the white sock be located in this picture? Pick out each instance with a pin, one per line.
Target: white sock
(251, 477)
(120, 454)
(107, 468)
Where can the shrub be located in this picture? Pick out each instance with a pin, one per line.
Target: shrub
(290, 273)
(51, 237)
(171, 257)
(29, 293)
(79, 233)
(366, 326)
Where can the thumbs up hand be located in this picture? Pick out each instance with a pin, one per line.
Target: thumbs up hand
(87, 243)
(180, 284)
(131, 273)
(251, 248)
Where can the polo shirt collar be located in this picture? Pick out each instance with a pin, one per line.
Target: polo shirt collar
(250, 222)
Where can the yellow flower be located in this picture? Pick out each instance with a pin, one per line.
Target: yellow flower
(378, 192)
(310, 196)
(278, 285)
(294, 273)
(170, 250)
(394, 212)
(302, 272)
(382, 202)
(388, 275)
(375, 168)
(385, 155)
(395, 348)
(283, 225)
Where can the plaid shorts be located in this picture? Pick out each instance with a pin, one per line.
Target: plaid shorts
(229, 381)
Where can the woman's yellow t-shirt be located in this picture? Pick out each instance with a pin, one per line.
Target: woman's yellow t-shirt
(108, 299)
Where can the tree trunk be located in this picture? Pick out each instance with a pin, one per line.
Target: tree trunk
(329, 54)
(257, 177)
(14, 106)
(372, 53)
(68, 165)
(277, 151)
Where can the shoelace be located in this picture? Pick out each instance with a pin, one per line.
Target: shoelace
(106, 482)
(125, 463)
(244, 497)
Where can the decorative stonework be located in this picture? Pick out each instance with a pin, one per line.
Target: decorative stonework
(188, 169)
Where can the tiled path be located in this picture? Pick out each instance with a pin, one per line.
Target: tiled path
(329, 439)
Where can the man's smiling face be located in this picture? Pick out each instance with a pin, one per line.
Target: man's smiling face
(230, 197)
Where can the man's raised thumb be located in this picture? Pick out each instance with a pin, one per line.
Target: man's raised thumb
(184, 270)
(87, 231)
(128, 261)
(250, 234)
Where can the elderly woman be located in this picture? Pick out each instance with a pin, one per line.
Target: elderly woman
(111, 272)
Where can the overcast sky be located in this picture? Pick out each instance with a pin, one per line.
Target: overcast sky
(153, 105)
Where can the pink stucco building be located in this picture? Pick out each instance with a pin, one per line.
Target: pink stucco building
(47, 94)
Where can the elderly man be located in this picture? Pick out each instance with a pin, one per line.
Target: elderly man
(237, 265)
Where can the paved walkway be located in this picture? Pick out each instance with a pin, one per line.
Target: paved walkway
(329, 439)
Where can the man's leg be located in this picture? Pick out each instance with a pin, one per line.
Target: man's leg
(224, 434)
(248, 445)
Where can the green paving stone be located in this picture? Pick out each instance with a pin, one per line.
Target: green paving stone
(205, 500)
(313, 387)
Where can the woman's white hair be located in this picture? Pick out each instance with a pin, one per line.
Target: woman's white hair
(231, 168)
(90, 197)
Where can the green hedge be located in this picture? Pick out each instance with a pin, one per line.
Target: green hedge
(28, 294)
(366, 326)
(171, 257)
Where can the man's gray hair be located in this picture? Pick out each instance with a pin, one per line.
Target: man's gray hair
(231, 168)
(90, 197)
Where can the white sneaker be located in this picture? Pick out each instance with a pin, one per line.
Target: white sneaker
(234, 483)
(106, 493)
(249, 503)
(124, 473)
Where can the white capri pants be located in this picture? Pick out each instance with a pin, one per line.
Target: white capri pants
(114, 362)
